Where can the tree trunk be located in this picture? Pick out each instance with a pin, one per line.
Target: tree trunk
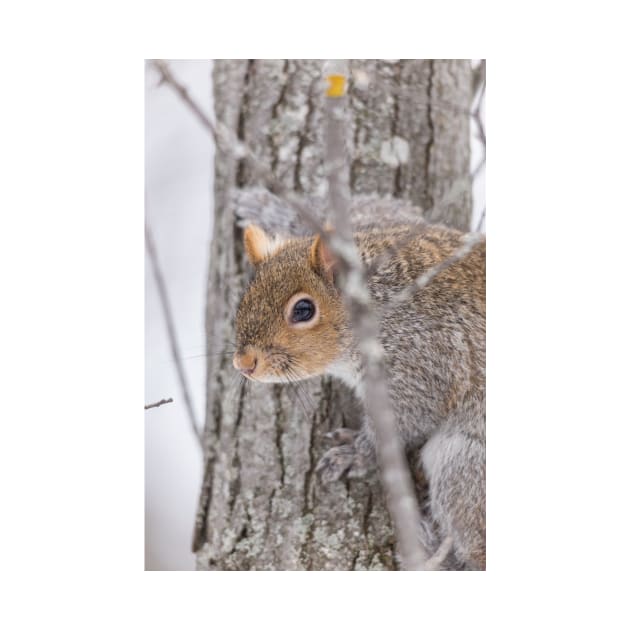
(261, 506)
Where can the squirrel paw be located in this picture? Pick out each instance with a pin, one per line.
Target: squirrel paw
(342, 460)
(342, 436)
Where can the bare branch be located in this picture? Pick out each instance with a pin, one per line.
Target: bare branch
(480, 128)
(479, 90)
(479, 166)
(479, 77)
(456, 188)
(482, 218)
(470, 241)
(159, 403)
(170, 329)
(395, 475)
(231, 144)
(166, 76)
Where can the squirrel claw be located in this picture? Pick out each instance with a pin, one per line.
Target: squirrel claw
(339, 461)
(341, 436)
(334, 463)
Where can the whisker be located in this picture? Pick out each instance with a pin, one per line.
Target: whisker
(304, 390)
(297, 397)
(237, 382)
(300, 393)
(225, 353)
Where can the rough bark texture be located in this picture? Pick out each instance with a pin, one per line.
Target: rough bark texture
(261, 506)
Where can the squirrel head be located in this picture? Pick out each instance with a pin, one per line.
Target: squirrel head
(291, 323)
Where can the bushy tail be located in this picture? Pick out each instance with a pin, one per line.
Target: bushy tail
(440, 548)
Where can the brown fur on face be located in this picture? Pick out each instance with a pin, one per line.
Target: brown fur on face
(284, 352)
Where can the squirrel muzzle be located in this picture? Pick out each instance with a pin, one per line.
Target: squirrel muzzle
(246, 362)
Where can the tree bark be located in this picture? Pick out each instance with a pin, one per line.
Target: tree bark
(261, 506)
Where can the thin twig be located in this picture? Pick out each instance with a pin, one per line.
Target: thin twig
(470, 241)
(482, 218)
(395, 476)
(476, 113)
(170, 329)
(479, 78)
(166, 76)
(159, 403)
(461, 184)
(482, 163)
(479, 90)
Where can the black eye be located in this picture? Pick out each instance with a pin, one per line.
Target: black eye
(303, 311)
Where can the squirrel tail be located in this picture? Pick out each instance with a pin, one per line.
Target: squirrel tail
(442, 556)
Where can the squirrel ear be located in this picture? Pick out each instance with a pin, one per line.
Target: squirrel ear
(257, 243)
(322, 259)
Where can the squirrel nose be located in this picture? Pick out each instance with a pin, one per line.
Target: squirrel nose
(245, 363)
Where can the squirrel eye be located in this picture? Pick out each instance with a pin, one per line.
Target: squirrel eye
(303, 311)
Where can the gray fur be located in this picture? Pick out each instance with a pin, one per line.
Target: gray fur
(434, 358)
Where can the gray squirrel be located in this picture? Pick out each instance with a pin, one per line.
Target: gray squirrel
(291, 324)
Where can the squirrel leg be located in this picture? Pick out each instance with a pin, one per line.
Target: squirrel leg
(455, 465)
(352, 455)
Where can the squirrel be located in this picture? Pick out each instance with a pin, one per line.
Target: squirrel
(291, 324)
